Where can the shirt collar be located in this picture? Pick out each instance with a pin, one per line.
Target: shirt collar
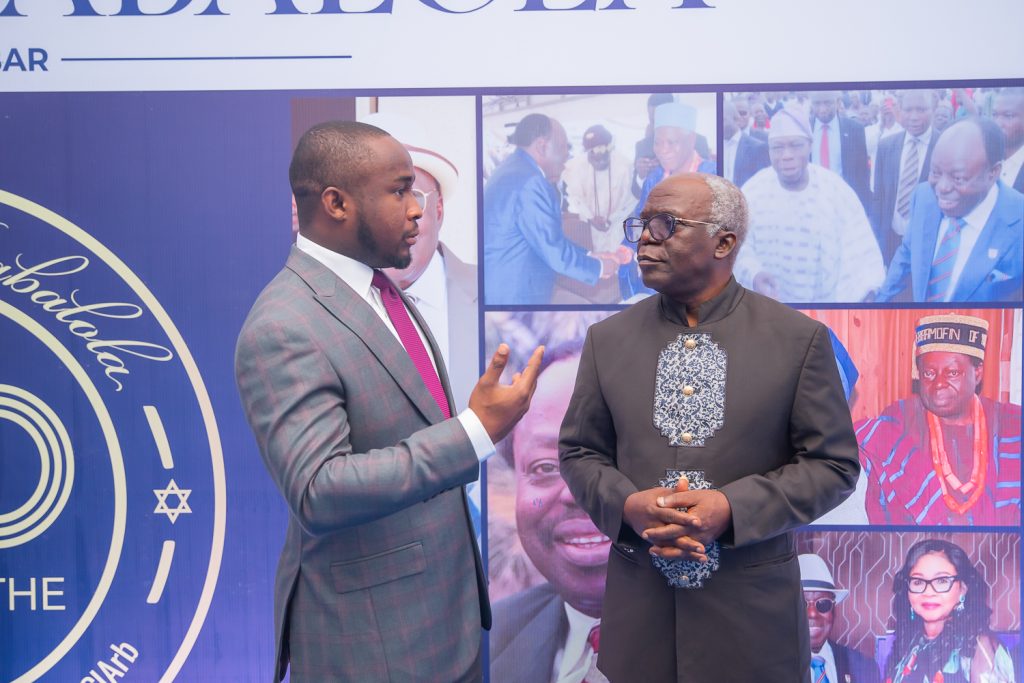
(736, 137)
(580, 625)
(353, 273)
(712, 310)
(978, 216)
(923, 137)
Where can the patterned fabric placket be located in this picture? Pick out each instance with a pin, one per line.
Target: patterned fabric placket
(689, 407)
(689, 391)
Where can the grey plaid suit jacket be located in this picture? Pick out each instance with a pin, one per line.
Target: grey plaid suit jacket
(380, 578)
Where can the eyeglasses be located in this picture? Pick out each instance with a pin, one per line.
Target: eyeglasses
(822, 605)
(421, 197)
(660, 225)
(940, 584)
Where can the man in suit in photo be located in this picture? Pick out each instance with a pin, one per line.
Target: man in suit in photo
(743, 155)
(742, 394)
(830, 661)
(1008, 113)
(549, 632)
(903, 160)
(964, 230)
(524, 245)
(343, 384)
(839, 145)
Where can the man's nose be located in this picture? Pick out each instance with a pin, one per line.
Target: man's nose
(943, 185)
(414, 211)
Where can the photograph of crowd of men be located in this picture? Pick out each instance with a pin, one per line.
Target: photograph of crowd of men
(561, 172)
(547, 560)
(880, 195)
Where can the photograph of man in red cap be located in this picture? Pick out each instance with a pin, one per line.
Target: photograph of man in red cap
(946, 455)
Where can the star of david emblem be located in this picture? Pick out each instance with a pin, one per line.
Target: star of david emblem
(181, 508)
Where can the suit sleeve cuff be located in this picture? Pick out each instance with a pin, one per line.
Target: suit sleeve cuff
(482, 444)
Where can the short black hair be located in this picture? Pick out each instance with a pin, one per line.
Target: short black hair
(529, 128)
(333, 153)
(659, 98)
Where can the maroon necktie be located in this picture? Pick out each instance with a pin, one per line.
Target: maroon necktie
(593, 674)
(410, 338)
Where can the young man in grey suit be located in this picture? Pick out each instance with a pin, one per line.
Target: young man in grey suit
(743, 394)
(380, 578)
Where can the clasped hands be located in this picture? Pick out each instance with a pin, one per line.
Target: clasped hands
(675, 534)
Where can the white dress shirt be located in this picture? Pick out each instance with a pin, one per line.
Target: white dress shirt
(359, 277)
(573, 659)
(830, 663)
(974, 223)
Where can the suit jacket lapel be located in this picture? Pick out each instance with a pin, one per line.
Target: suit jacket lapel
(352, 311)
(924, 251)
(997, 237)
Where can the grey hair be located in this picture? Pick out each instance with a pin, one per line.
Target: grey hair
(728, 207)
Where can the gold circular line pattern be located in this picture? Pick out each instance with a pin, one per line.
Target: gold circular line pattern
(33, 414)
(44, 469)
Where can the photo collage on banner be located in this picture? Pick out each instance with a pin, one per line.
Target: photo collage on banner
(892, 216)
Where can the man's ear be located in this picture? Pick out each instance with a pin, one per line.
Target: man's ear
(336, 203)
(726, 244)
(440, 208)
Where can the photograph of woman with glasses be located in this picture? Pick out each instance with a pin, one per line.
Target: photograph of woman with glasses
(940, 603)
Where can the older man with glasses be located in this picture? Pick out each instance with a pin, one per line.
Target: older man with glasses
(706, 423)
(830, 661)
(810, 239)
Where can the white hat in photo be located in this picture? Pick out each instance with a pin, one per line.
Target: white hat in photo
(413, 137)
(815, 576)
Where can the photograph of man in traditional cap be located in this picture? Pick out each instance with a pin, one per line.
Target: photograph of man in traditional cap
(830, 661)
(644, 159)
(810, 239)
(675, 140)
(945, 455)
(675, 147)
(965, 231)
(597, 186)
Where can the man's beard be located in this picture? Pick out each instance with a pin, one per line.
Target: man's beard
(366, 238)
